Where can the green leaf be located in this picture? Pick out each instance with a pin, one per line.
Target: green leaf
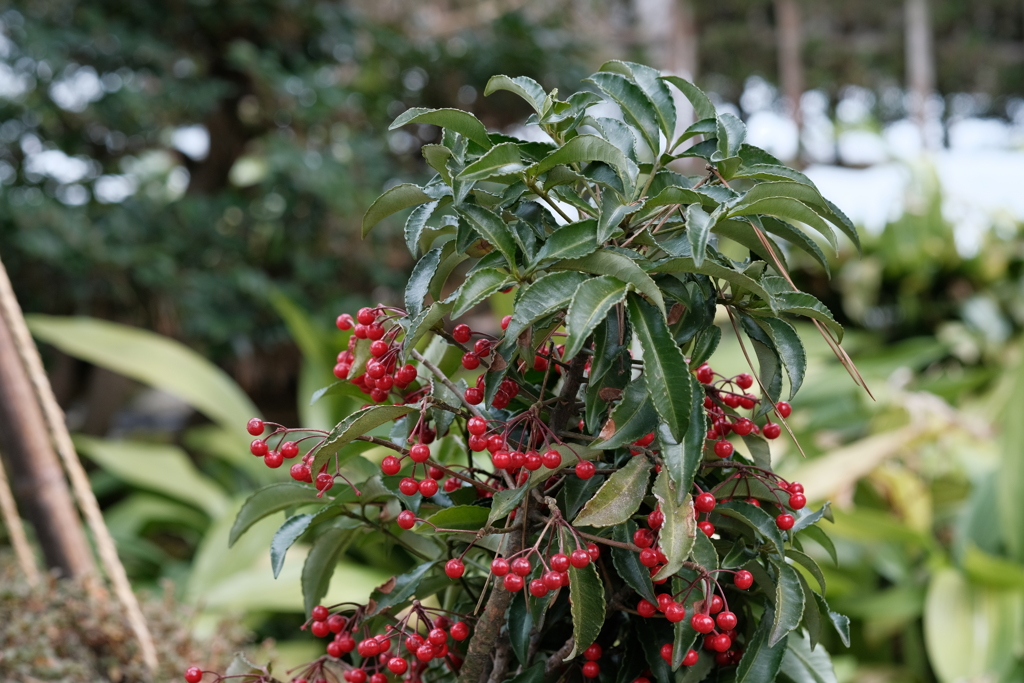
(500, 160)
(570, 241)
(423, 323)
(789, 348)
(668, 377)
(806, 664)
(637, 109)
(356, 424)
(268, 500)
(685, 264)
(809, 564)
(632, 418)
(543, 297)
(627, 563)
(1010, 482)
(789, 603)
(491, 228)
(504, 502)
(787, 208)
(761, 661)
(812, 617)
(464, 517)
(801, 303)
(520, 624)
(392, 201)
(620, 496)
(151, 359)
(698, 227)
(702, 107)
(527, 88)
(606, 262)
(285, 536)
(649, 81)
(755, 518)
(796, 237)
(320, 564)
(817, 534)
(683, 458)
(415, 224)
(479, 285)
(162, 468)
(534, 674)
(840, 622)
(704, 552)
(586, 148)
(590, 305)
(731, 133)
(455, 120)
(419, 281)
(399, 588)
(677, 535)
(586, 594)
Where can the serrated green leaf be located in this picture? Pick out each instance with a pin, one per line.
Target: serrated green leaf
(392, 201)
(698, 228)
(520, 625)
(731, 132)
(422, 273)
(802, 303)
(587, 148)
(613, 211)
(756, 518)
(543, 297)
(490, 226)
(806, 664)
(462, 517)
(649, 81)
(437, 157)
(570, 241)
(586, 594)
(590, 305)
(461, 122)
(685, 264)
(400, 588)
(636, 107)
(672, 195)
(527, 88)
(702, 107)
(797, 238)
(606, 262)
(479, 285)
(415, 224)
(818, 535)
(789, 348)
(423, 323)
(356, 424)
(789, 603)
(812, 617)
(504, 502)
(840, 622)
(704, 552)
(632, 418)
(761, 661)
(268, 500)
(683, 457)
(665, 368)
(284, 537)
(786, 208)
(620, 496)
(500, 160)
(809, 564)
(679, 530)
(320, 564)
(627, 563)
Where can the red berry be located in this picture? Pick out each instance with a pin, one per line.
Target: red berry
(347, 642)
(648, 557)
(366, 316)
(754, 501)
(643, 538)
(538, 588)
(560, 562)
(743, 579)
(797, 501)
(476, 425)
(409, 486)
(495, 443)
(675, 612)
(721, 643)
(646, 609)
(193, 674)
(726, 621)
(579, 558)
(499, 566)
(462, 333)
(593, 652)
(518, 459)
(533, 461)
(333, 649)
(505, 321)
(336, 623)
(454, 568)
(748, 401)
(451, 484)
(419, 453)
(785, 410)
(375, 370)
(368, 648)
(254, 427)
(398, 665)
(478, 443)
(319, 629)
(384, 383)
(744, 381)
(702, 623)
(731, 400)
(591, 670)
(390, 465)
(795, 487)
(425, 652)
(540, 363)
(743, 426)
(772, 430)
(407, 519)
(707, 527)
(435, 473)
(378, 395)
(513, 583)
(666, 652)
(459, 630)
(716, 604)
(437, 636)
(482, 347)
(428, 487)
(705, 375)
(502, 460)
(320, 613)
(521, 566)
(723, 449)
(655, 519)
(691, 658)
(585, 469)
(258, 448)
(324, 481)
(273, 459)
(551, 459)
(553, 580)
(705, 502)
(344, 321)
(379, 348)
(470, 361)
(359, 331)
(289, 449)
(413, 642)
(785, 521)
(299, 471)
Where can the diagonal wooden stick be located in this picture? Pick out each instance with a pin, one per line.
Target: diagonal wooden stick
(10, 311)
(22, 549)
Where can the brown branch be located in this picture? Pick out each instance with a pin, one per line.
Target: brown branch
(557, 658)
(447, 382)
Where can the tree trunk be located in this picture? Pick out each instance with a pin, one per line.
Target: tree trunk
(920, 59)
(36, 476)
(789, 34)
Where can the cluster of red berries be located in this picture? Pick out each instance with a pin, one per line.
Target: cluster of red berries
(705, 502)
(273, 458)
(554, 573)
(507, 390)
(590, 668)
(383, 371)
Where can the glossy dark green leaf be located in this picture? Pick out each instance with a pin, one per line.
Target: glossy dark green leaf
(570, 241)
(520, 624)
(789, 348)
(743, 231)
(649, 81)
(807, 517)
(415, 224)
(812, 616)
(479, 285)
(268, 500)
(817, 534)
(705, 344)
(797, 238)
(590, 305)
(453, 119)
(543, 297)
(809, 564)
(392, 201)
(463, 517)
(617, 133)
(652, 635)
(636, 107)
(534, 674)
(633, 417)
(683, 458)
(320, 563)
(840, 622)
(505, 502)
(789, 603)
(698, 227)
(423, 323)
(702, 107)
(704, 552)
(527, 88)
(586, 594)
(627, 563)
(500, 160)
(284, 537)
(755, 518)
(356, 424)
(613, 211)
(451, 257)
(665, 369)
(761, 661)
(731, 133)
(419, 281)
(712, 269)
(490, 226)
(576, 492)
(680, 527)
(398, 589)
(586, 148)
(801, 303)
(804, 663)
(437, 157)
(606, 262)
(669, 196)
(620, 496)
(789, 209)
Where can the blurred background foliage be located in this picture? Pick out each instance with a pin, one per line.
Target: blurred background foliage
(198, 169)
